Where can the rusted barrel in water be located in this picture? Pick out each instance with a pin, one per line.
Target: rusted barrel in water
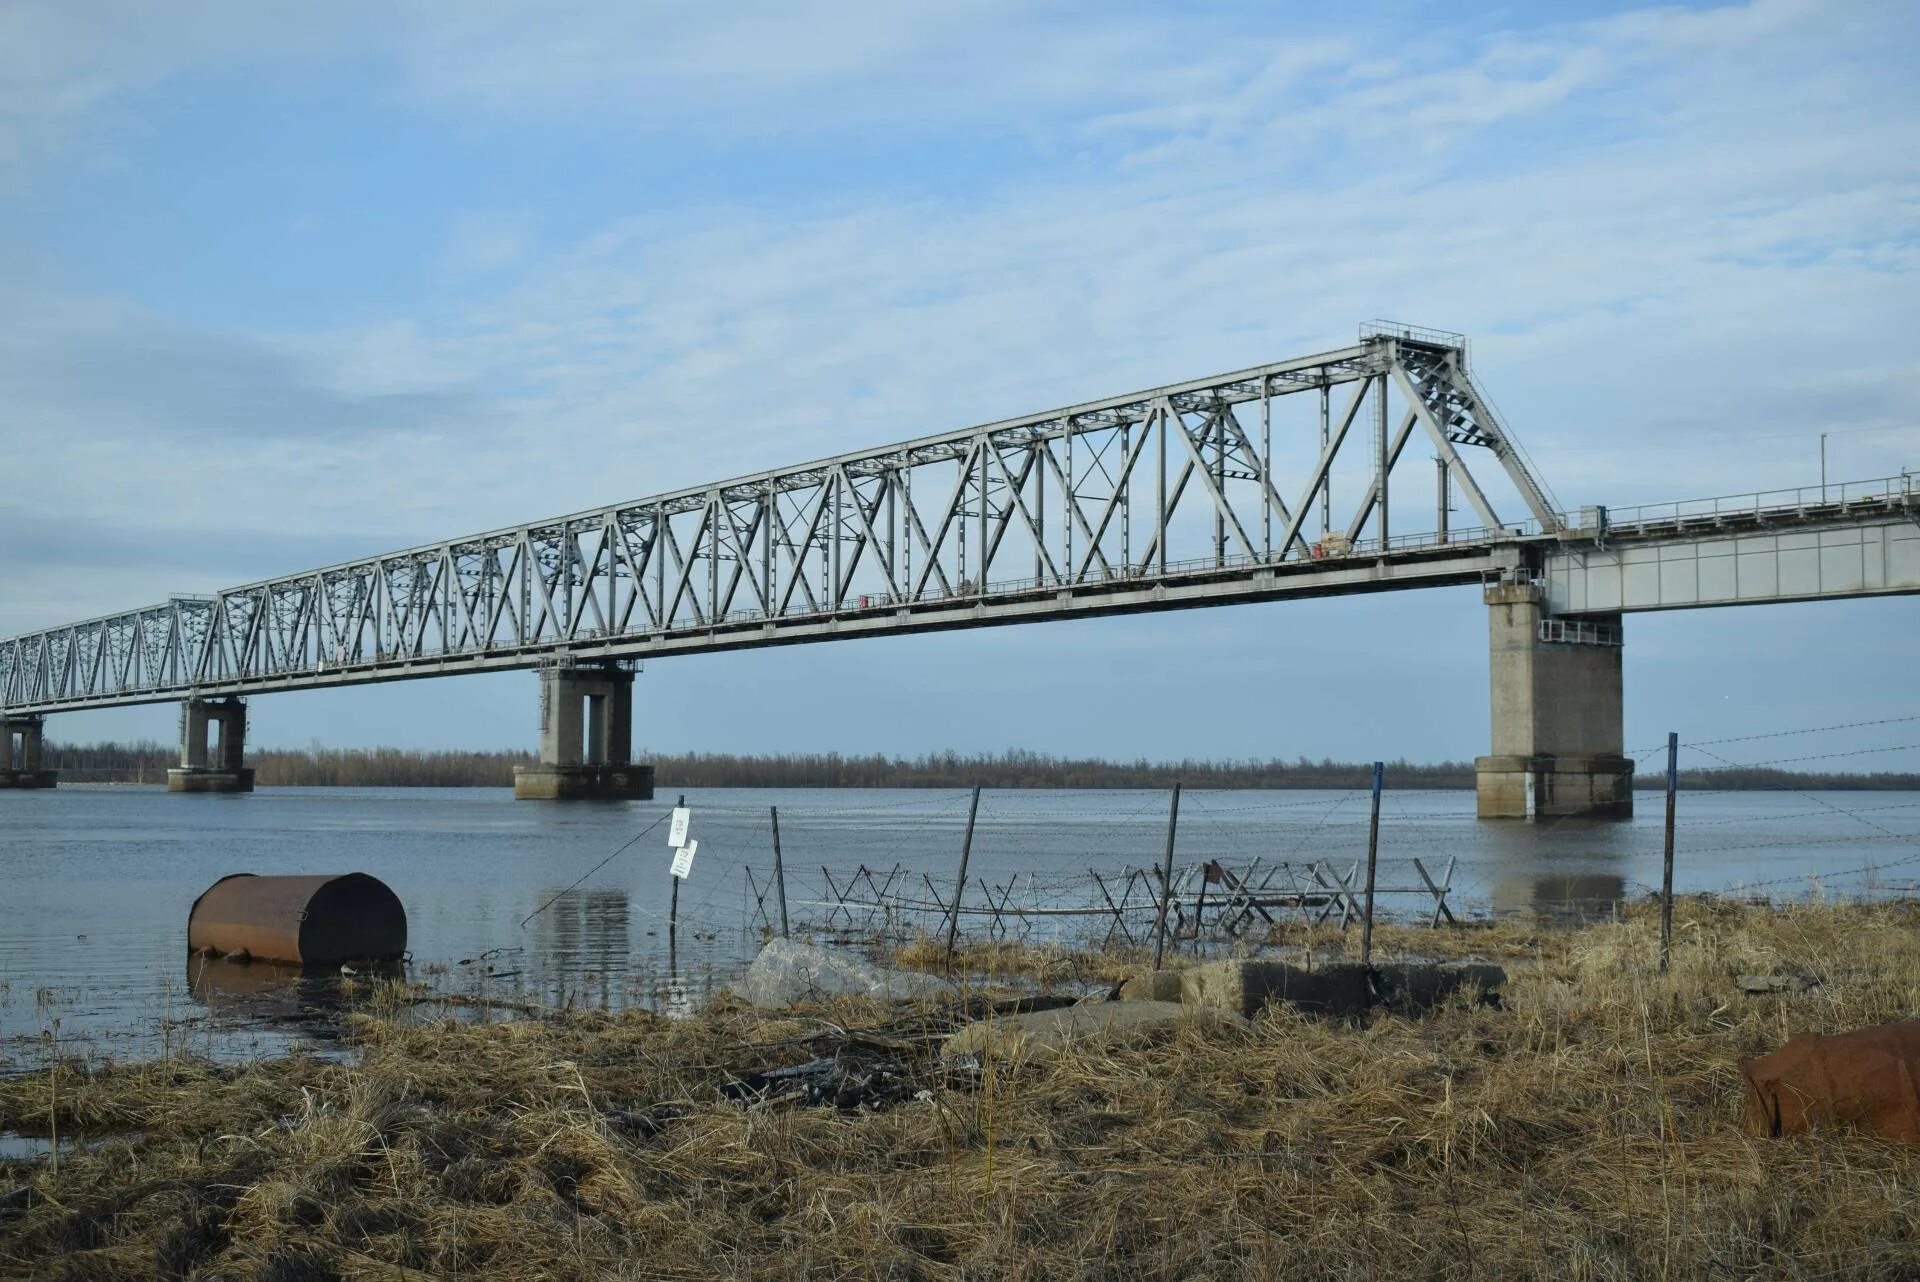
(318, 920)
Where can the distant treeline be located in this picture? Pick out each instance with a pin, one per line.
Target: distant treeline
(147, 762)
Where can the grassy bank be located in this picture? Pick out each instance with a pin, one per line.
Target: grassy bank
(1585, 1129)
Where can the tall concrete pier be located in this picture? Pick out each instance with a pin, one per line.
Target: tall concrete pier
(20, 747)
(1557, 737)
(586, 738)
(206, 768)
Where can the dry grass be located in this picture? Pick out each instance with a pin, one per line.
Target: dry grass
(1584, 1130)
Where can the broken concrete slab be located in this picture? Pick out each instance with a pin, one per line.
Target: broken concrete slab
(1041, 1034)
(1152, 986)
(1789, 982)
(788, 972)
(1417, 987)
(1247, 986)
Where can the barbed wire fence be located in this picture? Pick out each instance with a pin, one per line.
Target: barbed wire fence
(1089, 868)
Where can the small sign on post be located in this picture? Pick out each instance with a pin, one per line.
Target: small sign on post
(677, 829)
(683, 858)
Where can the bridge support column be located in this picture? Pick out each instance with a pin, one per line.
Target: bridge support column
(204, 768)
(1557, 734)
(596, 700)
(20, 746)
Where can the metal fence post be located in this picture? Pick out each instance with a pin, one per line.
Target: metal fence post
(960, 882)
(779, 870)
(1373, 859)
(1166, 882)
(1666, 863)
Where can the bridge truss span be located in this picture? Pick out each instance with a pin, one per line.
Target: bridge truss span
(1267, 481)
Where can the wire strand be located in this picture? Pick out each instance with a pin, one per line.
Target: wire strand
(596, 868)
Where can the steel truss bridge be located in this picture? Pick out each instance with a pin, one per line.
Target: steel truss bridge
(1266, 483)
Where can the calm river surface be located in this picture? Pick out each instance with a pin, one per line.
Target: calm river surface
(96, 882)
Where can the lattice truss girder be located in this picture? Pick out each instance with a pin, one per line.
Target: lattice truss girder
(1282, 463)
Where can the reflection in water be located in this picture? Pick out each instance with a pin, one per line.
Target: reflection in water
(583, 954)
(583, 934)
(213, 981)
(310, 999)
(1577, 874)
(1561, 896)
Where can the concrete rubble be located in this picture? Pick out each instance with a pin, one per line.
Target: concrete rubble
(1152, 986)
(788, 972)
(1797, 981)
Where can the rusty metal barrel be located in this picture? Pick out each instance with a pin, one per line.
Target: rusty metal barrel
(317, 920)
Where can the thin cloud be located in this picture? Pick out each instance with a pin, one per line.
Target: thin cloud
(1664, 229)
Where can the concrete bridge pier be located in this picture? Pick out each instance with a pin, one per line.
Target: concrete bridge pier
(586, 738)
(1557, 724)
(20, 747)
(215, 768)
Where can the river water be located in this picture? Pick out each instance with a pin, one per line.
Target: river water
(96, 882)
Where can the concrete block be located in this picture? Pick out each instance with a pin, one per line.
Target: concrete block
(1418, 987)
(1152, 986)
(583, 783)
(209, 779)
(1343, 988)
(1543, 787)
(1047, 1033)
(1246, 986)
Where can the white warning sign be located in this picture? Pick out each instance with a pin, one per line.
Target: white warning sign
(683, 859)
(677, 830)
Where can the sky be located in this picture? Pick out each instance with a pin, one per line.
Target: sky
(282, 285)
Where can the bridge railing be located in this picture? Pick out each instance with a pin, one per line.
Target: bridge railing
(1806, 500)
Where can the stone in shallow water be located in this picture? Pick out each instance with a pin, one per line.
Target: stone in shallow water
(788, 973)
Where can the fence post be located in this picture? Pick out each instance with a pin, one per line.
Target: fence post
(1166, 882)
(779, 870)
(960, 882)
(1666, 863)
(1200, 913)
(1373, 859)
